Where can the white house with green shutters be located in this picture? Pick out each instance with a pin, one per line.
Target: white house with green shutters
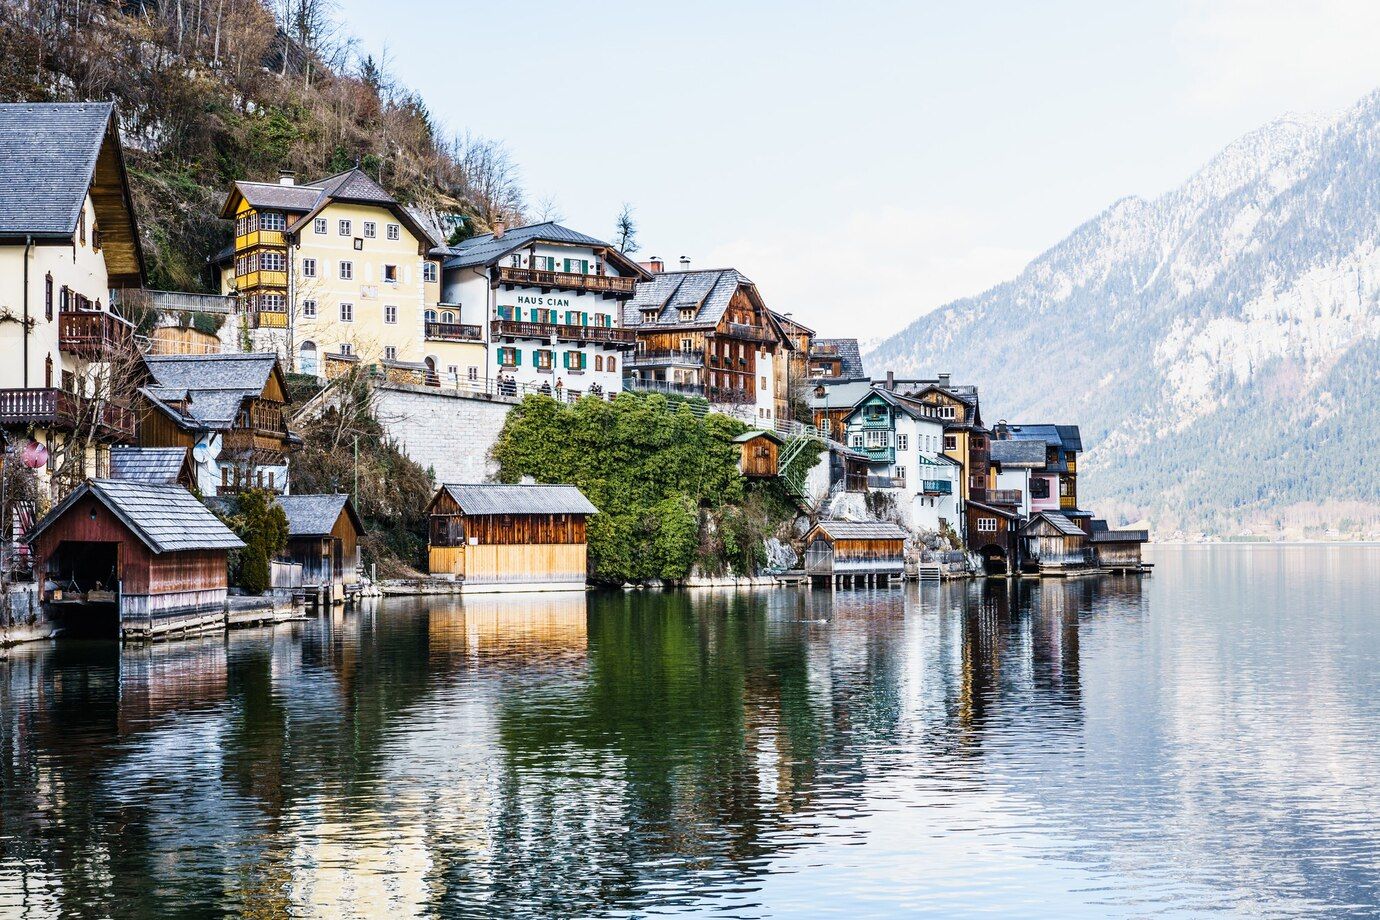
(903, 440)
(548, 302)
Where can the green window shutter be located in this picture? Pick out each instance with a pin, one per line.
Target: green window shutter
(584, 266)
(517, 357)
(584, 319)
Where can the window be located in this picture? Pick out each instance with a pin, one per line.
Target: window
(309, 309)
(1039, 487)
(687, 314)
(272, 220)
(763, 384)
(390, 315)
(81, 226)
(96, 239)
(877, 437)
(370, 229)
(429, 316)
(950, 442)
(272, 261)
(65, 299)
(509, 357)
(430, 272)
(308, 268)
(543, 358)
(903, 442)
(48, 297)
(390, 353)
(598, 362)
(394, 232)
(318, 226)
(949, 412)
(346, 348)
(856, 439)
(979, 443)
(390, 274)
(987, 525)
(272, 303)
(575, 360)
(344, 228)
(306, 357)
(447, 316)
(612, 364)
(472, 373)
(347, 271)
(347, 313)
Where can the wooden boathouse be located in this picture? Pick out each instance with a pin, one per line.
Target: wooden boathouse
(855, 552)
(133, 559)
(509, 537)
(1052, 544)
(322, 554)
(1117, 550)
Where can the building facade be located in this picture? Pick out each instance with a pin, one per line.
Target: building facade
(547, 303)
(904, 442)
(835, 359)
(1054, 483)
(67, 239)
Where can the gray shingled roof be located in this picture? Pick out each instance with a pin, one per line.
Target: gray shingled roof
(486, 250)
(489, 498)
(1120, 536)
(274, 196)
(1062, 524)
(48, 157)
(315, 515)
(850, 357)
(1018, 453)
(158, 465)
(757, 433)
(166, 518)
(707, 291)
(862, 530)
(215, 386)
(841, 394)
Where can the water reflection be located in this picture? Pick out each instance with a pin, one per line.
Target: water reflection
(749, 753)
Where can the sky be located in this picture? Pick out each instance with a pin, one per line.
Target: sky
(864, 162)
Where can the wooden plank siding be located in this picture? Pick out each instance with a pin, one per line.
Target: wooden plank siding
(758, 458)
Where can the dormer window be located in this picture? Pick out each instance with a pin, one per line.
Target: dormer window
(687, 314)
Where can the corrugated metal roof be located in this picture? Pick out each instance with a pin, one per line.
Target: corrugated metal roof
(491, 498)
(1121, 536)
(313, 515)
(48, 157)
(862, 530)
(1018, 453)
(159, 465)
(1066, 436)
(486, 250)
(167, 518)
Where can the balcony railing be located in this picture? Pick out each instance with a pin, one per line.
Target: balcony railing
(59, 409)
(662, 386)
(1004, 496)
(729, 395)
(940, 487)
(454, 332)
(665, 356)
(568, 333)
(91, 333)
(570, 281)
(753, 333)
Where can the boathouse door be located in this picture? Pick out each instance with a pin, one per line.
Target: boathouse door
(819, 557)
(82, 587)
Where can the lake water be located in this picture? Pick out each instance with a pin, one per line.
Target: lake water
(1201, 741)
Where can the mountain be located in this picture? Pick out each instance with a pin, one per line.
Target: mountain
(1219, 345)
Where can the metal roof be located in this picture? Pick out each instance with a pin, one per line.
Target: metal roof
(315, 515)
(1067, 437)
(850, 358)
(491, 498)
(861, 530)
(166, 518)
(1120, 536)
(486, 249)
(1018, 453)
(838, 394)
(159, 465)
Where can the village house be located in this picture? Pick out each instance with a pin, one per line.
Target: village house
(509, 537)
(1051, 543)
(1014, 463)
(322, 552)
(708, 333)
(793, 375)
(334, 272)
(1053, 485)
(133, 559)
(991, 532)
(831, 401)
(1117, 550)
(855, 553)
(229, 411)
(758, 454)
(904, 442)
(965, 438)
(548, 301)
(67, 238)
(835, 360)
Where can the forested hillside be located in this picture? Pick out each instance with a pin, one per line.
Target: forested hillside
(1219, 345)
(215, 90)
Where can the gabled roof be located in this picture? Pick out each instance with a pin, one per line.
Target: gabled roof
(861, 530)
(838, 394)
(165, 518)
(848, 353)
(487, 249)
(660, 300)
(757, 433)
(1059, 522)
(911, 407)
(992, 509)
(213, 386)
(315, 515)
(157, 465)
(52, 155)
(1028, 454)
(352, 186)
(1067, 437)
(492, 498)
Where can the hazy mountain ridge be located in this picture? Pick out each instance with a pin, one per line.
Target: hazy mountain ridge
(1213, 343)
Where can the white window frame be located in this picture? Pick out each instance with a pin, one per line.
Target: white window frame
(394, 232)
(344, 227)
(371, 230)
(309, 309)
(902, 441)
(347, 270)
(308, 268)
(430, 275)
(320, 226)
(987, 525)
(390, 352)
(346, 348)
(347, 312)
(390, 314)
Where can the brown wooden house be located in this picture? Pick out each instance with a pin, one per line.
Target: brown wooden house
(1118, 550)
(141, 559)
(510, 537)
(323, 538)
(1053, 544)
(855, 552)
(758, 453)
(707, 333)
(991, 533)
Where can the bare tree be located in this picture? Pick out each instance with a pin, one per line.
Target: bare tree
(625, 230)
(548, 210)
(488, 179)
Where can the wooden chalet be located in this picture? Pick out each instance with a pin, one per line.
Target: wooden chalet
(1117, 550)
(848, 467)
(758, 453)
(991, 533)
(323, 540)
(855, 552)
(510, 537)
(707, 333)
(1052, 544)
(133, 559)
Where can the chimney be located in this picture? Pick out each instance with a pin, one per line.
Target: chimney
(654, 265)
(685, 263)
(287, 177)
(499, 228)
(891, 380)
(944, 380)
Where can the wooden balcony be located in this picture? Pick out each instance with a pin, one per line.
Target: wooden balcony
(54, 408)
(608, 285)
(1004, 496)
(729, 395)
(751, 333)
(513, 329)
(269, 319)
(454, 332)
(92, 333)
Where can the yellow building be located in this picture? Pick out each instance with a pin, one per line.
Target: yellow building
(67, 238)
(336, 272)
